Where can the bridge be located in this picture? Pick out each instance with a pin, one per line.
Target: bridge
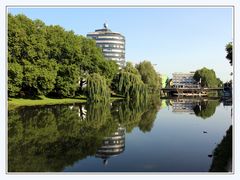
(199, 91)
(205, 89)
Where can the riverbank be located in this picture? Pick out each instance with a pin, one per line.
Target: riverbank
(42, 100)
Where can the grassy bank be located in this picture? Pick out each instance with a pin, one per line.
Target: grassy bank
(42, 100)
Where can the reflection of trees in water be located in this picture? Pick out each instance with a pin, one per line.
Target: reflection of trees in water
(147, 119)
(50, 138)
(223, 154)
(127, 115)
(130, 115)
(206, 108)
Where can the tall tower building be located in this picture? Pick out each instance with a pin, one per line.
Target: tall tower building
(111, 43)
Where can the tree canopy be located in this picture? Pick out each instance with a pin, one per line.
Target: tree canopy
(229, 52)
(129, 84)
(149, 76)
(50, 61)
(15, 78)
(207, 77)
(97, 89)
(47, 60)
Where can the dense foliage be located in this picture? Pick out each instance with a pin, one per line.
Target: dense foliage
(50, 61)
(39, 78)
(97, 89)
(149, 76)
(47, 60)
(15, 77)
(207, 77)
(66, 81)
(229, 52)
(129, 84)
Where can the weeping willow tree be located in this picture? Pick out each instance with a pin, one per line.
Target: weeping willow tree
(97, 89)
(131, 86)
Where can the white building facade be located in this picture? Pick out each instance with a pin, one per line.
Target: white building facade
(111, 43)
(184, 80)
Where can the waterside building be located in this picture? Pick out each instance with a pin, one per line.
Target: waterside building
(184, 80)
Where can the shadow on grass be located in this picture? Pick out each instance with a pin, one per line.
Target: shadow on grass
(27, 97)
(75, 97)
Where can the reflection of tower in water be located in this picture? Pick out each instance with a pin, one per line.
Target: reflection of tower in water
(112, 145)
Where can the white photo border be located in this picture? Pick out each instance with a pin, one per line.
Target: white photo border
(119, 3)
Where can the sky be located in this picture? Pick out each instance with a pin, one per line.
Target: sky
(173, 39)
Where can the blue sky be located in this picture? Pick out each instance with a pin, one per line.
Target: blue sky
(175, 39)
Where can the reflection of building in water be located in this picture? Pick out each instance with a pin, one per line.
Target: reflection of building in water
(184, 105)
(227, 102)
(81, 110)
(112, 145)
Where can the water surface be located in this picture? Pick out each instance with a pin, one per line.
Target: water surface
(177, 135)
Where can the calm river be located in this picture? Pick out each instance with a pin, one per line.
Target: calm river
(177, 135)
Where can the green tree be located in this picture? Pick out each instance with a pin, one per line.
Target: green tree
(93, 61)
(129, 84)
(64, 46)
(16, 39)
(27, 46)
(26, 39)
(31, 44)
(97, 88)
(229, 52)
(39, 78)
(131, 69)
(15, 77)
(67, 80)
(149, 76)
(109, 69)
(208, 78)
(91, 56)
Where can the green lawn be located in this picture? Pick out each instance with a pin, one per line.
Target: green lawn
(42, 100)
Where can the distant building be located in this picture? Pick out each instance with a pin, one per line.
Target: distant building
(184, 80)
(111, 43)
